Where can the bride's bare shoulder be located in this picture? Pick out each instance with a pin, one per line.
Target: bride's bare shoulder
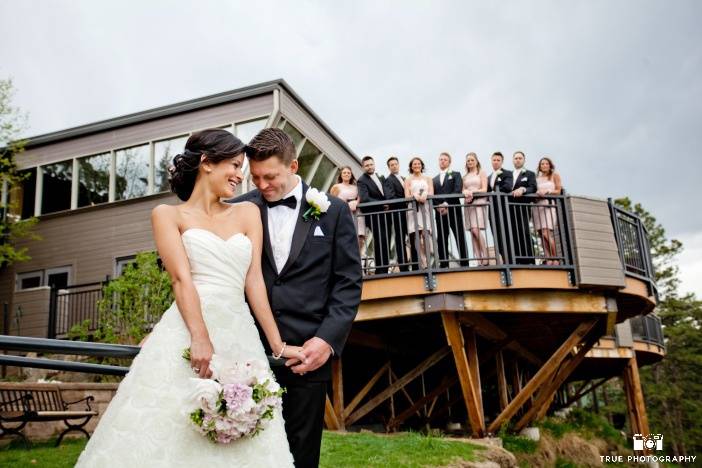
(247, 210)
(163, 211)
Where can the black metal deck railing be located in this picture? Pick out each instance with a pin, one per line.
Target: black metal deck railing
(448, 232)
(634, 246)
(72, 306)
(647, 328)
(491, 231)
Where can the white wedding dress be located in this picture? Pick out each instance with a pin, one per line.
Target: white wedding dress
(145, 425)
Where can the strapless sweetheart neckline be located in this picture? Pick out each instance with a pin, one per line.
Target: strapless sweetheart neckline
(212, 233)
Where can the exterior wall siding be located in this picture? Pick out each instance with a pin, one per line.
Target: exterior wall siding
(139, 133)
(594, 245)
(33, 320)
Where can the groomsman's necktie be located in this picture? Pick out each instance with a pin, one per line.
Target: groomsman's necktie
(290, 202)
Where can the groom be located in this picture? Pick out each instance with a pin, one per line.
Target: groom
(312, 272)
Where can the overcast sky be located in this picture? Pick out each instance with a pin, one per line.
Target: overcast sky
(611, 90)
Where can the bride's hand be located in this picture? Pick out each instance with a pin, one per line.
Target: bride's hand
(295, 352)
(201, 352)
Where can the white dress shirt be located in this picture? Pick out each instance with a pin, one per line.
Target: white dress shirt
(376, 179)
(515, 176)
(281, 226)
(442, 176)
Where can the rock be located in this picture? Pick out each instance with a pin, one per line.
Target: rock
(531, 433)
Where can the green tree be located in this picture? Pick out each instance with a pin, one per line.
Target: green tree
(673, 386)
(134, 302)
(12, 229)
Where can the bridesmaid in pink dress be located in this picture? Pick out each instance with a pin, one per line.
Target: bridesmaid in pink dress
(346, 189)
(474, 182)
(548, 182)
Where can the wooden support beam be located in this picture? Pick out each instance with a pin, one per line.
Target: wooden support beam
(543, 375)
(405, 392)
(338, 391)
(398, 385)
(492, 332)
(472, 352)
(469, 387)
(516, 378)
(501, 381)
(330, 419)
(634, 398)
(543, 400)
(402, 417)
(364, 391)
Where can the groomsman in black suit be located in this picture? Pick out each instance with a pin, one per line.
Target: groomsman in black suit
(395, 188)
(312, 272)
(449, 215)
(370, 189)
(500, 181)
(523, 183)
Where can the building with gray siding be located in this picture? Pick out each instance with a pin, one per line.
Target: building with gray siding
(93, 187)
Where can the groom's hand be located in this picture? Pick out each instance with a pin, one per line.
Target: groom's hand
(317, 352)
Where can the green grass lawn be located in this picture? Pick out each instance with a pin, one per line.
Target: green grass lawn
(347, 450)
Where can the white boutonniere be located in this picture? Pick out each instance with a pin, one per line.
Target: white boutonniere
(319, 204)
(499, 172)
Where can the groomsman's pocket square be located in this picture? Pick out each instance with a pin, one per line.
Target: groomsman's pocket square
(318, 232)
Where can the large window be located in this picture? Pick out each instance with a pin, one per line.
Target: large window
(23, 195)
(293, 133)
(323, 174)
(94, 179)
(164, 152)
(56, 187)
(246, 131)
(306, 159)
(132, 172)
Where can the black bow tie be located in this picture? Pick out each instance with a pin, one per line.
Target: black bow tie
(290, 202)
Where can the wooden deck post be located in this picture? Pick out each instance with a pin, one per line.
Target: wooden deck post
(338, 392)
(470, 385)
(548, 391)
(501, 381)
(543, 375)
(634, 398)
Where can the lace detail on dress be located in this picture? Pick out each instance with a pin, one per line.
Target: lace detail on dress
(146, 424)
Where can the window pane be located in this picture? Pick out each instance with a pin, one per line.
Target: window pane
(60, 280)
(293, 133)
(132, 172)
(164, 152)
(30, 282)
(326, 167)
(22, 197)
(246, 131)
(94, 179)
(306, 160)
(56, 190)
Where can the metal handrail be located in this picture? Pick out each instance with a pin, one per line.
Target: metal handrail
(497, 251)
(648, 328)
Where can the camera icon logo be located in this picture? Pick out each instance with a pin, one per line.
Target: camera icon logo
(648, 442)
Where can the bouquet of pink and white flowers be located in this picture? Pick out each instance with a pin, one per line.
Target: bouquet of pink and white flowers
(238, 400)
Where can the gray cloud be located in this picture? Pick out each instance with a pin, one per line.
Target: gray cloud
(610, 90)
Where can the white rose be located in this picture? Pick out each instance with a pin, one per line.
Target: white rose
(319, 199)
(204, 394)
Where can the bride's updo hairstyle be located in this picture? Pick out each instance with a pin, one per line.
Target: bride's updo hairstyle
(216, 144)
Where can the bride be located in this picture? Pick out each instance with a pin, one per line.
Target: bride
(212, 252)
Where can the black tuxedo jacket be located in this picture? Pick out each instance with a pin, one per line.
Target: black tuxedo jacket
(453, 183)
(368, 191)
(526, 180)
(318, 291)
(394, 189)
(503, 182)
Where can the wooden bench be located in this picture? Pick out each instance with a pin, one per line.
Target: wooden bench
(37, 403)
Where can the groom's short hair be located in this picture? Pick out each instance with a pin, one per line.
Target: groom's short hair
(271, 142)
